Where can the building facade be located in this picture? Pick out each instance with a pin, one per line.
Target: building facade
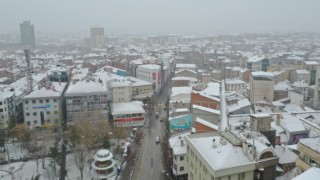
(86, 99)
(44, 105)
(261, 86)
(7, 107)
(97, 36)
(27, 37)
(150, 73)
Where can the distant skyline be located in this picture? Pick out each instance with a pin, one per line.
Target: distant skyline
(161, 17)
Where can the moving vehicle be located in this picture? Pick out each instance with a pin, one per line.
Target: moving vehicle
(157, 139)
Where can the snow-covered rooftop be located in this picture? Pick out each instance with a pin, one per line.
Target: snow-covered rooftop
(86, 87)
(223, 155)
(312, 143)
(312, 173)
(53, 90)
(181, 90)
(177, 143)
(285, 155)
(202, 108)
(127, 108)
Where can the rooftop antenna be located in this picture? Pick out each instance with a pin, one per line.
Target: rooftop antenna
(29, 68)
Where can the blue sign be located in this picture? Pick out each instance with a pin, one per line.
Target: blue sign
(42, 107)
(180, 123)
(121, 73)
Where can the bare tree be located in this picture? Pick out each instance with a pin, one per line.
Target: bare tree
(21, 132)
(80, 155)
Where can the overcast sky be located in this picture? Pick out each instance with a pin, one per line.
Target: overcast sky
(162, 16)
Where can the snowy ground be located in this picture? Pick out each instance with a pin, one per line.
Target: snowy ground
(25, 170)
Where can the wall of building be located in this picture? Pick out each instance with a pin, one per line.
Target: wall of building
(203, 101)
(51, 108)
(121, 94)
(261, 90)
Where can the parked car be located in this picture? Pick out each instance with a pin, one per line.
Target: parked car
(157, 139)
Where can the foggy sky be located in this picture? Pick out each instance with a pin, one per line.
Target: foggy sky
(162, 16)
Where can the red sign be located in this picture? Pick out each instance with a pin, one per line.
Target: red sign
(159, 77)
(129, 119)
(154, 75)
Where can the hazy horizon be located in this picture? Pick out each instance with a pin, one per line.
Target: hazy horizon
(162, 17)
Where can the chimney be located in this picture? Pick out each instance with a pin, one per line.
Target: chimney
(278, 120)
(182, 143)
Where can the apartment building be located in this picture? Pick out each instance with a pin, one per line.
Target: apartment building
(228, 157)
(235, 85)
(261, 86)
(178, 156)
(44, 105)
(309, 155)
(7, 106)
(150, 73)
(121, 90)
(85, 99)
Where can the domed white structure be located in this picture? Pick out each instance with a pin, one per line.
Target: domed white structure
(103, 166)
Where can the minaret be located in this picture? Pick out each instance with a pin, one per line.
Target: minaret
(223, 124)
(316, 89)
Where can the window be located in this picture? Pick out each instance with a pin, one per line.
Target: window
(181, 158)
(0, 102)
(48, 112)
(35, 122)
(1, 110)
(34, 113)
(26, 102)
(47, 100)
(33, 101)
(40, 101)
(55, 112)
(54, 100)
(27, 114)
(28, 123)
(181, 168)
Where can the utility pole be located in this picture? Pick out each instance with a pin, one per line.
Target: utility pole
(29, 70)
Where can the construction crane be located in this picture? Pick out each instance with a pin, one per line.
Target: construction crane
(29, 71)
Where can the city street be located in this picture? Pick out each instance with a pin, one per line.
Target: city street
(150, 150)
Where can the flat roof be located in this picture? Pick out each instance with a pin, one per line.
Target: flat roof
(132, 107)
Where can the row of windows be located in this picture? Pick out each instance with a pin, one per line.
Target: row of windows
(35, 113)
(85, 97)
(127, 116)
(40, 101)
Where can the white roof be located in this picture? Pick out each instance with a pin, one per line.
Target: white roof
(150, 66)
(312, 143)
(221, 157)
(184, 78)
(235, 81)
(262, 73)
(5, 94)
(206, 123)
(185, 66)
(132, 107)
(291, 123)
(202, 108)
(311, 62)
(285, 155)
(256, 59)
(300, 84)
(176, 145)
(55, 90)
(302, 71)
(282, 86)
(312, 173)
(181, 90)
(138, 82)
(86, 87)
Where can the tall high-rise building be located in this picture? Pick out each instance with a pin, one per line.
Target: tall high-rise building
(97, 36)
(27, 34)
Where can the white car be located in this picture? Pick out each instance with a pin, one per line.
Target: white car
(157, 139)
